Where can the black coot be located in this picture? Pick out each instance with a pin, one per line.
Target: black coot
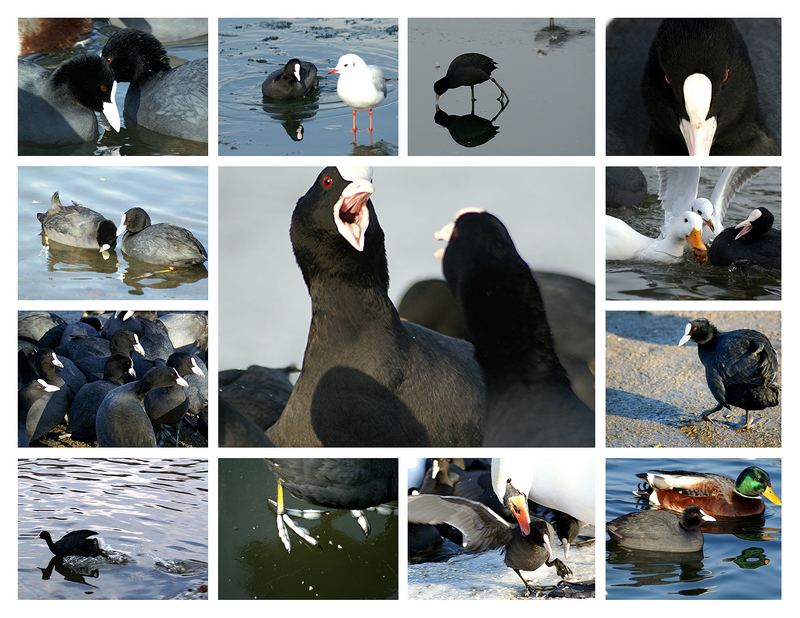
(751, 242)
(169, 404)
(170, 101)
(41, 327)
(659, 531)
(295, 80)
(121, 418)
(44, 402)
(76, 543)
(468, 70)
(741, 367)
(368, 378)
(117, 370)
(59, 108)
(700, 91)
(530, 401)
(527, 546)
(123, 343)
(237, 430)
(77, 226)
(259, 393)
(163, 244)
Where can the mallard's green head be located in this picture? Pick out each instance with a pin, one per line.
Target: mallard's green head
(753, 481)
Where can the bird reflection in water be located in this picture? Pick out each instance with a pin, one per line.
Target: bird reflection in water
(72, 259)
(655, 568)
(71, 572)
(553, 37)
(140, 276)
(469, 130)
(750, 558)
(291, 114)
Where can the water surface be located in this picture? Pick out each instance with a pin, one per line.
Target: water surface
(150, 514)
(250, 49)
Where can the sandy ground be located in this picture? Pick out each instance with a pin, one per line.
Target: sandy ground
(656, 391)
(484, 576)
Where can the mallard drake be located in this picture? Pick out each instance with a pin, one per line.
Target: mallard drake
(718, 496)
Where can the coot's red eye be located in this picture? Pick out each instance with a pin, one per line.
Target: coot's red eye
(666, 77)
(327, 182)
(725, 77)
(103, 88)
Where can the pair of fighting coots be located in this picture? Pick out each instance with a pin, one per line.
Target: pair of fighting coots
(59, 107)
(371, 379)
(698, 91)
(81, 227)
(85, 372)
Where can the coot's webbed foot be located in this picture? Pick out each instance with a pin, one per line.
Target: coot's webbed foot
(562, 569)
(284, 521)
(707, 413)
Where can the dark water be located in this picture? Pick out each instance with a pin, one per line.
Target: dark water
(688, 280)
(253, 563)
(176, 195)
(130, 140)
(742, 562)
(151, 514)
(548, 75)
(250, 49)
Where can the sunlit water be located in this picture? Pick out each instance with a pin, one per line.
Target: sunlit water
(547, 74)
(738, 561)
(151, 515)
(176, 195)
(250, 49)
(688, 280)
(130, 140)
(253, 563)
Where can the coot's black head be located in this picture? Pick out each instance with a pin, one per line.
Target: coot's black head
(517, 502)
(134, 55)
(441, 86)
(134, 220)
(106, 235)
(118, 369)
(701, 331)
(91, 82)
(47, 365)
(125, 342)
(44, 534)
(160, 377)
(758, 223)
(693, 517)
(184, 364)
(291, 70)
(700, 80)
(335, 231)
(542, 535)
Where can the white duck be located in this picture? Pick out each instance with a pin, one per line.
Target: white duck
(625, 243)
(678, 188)
(361, 85)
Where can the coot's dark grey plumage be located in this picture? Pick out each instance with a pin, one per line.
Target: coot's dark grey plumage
(123, 343)
(700, 91)
(741, 367)
(41, 327)
(76, 543)
(117, 370)
(294, 80)
(237, 430)
(753, 242)
(170, 101)
(59, 108)
(527, 546)
(659, 531)
(169, 404)
(162, 243)
(186, 328)
(368, 378)
(259, 393)
(121, 418)
(77, 226)
(44, 402)
(529, 398)
(468, 70)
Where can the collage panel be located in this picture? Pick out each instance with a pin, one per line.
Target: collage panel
(308, 528)
(370, 377)
(690, 86)
(120, 528)
(540, 100)
(691, 233)
(112, 378)
(113, 233)
(487, 528)
(308, 86)
(660, 393)
(693, 528)
(110, 87)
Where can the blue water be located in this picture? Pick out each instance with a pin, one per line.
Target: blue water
(736, 563)
(253, 563)
(130, 140)
(250, 49)
(176, 195)
(151, 514)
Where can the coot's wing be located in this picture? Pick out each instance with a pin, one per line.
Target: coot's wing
(746, 357)
(482, 528)
(677, 188)
(77, 536)
(728, 185)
